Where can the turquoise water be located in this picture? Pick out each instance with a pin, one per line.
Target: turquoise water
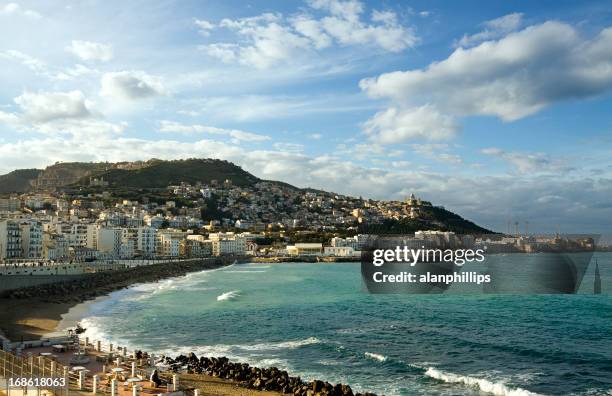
(316, 321)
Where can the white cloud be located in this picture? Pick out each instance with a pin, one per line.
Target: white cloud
(345, 25)
(49, 106)
(205, 26)
(34, 64)
(313, 30)
(131, 85)
(510, 78)
(289, 147)
(270, 38)
(528, 162)
(91, 51)
(494, 28)
(395, 125)
(55, 113)
(12, 9)
(175, 127)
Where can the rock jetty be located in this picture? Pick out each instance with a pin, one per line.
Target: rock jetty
(268, 379)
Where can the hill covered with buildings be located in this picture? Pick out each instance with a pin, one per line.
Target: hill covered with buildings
(166, 208)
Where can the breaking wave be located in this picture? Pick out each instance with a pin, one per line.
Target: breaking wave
(230, 295)
(494, 388)
(375, 356)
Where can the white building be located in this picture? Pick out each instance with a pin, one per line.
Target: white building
(145, 241)
(169, 242)
(31, 239)
(344, 251)
(305, 249)
(109, 241)
(228, 243)
(10, 240)
(10, 204)
(357, 242)
(55, 247)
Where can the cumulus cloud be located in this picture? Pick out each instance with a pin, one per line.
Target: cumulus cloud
(494, 28)
(271, 38)
(175, 127)
(58, 112)
(204, 26)
(397, 125)
(131, 85)
(510, 78)
(91, 51)
(49, 106)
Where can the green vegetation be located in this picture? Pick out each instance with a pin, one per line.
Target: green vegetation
(18, 181)
(433, 218)
(160, 174)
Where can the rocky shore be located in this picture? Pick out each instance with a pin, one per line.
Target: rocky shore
(97, 284)
(261, 379)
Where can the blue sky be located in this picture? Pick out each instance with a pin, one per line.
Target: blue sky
(497, 110)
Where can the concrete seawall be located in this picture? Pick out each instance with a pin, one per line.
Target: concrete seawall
(89, 285)
(14, 282)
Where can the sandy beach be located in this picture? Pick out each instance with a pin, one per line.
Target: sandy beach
(30, 319)
(38, 311)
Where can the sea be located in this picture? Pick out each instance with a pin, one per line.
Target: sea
(317, 321)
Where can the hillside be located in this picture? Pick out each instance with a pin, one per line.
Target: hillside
(160, 174)
(18, 181)
(127, 180)
(433, 218)
(124, 175)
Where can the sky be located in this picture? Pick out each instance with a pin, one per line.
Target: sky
(499, 111)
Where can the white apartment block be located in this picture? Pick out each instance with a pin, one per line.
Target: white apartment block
(145, 241)
(9, 204)
(228, 243)
(10, 240)
(55, 247)
(109, 241)
(169, 242)
(31, 239)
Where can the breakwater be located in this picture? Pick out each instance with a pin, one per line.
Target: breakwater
(91, 285)
(268, 379)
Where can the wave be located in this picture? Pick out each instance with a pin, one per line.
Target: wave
(375, 356)
(494, 388)
(230, 295)
(279, 345)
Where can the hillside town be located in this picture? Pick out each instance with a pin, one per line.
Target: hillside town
(202, 220)
(198, 221)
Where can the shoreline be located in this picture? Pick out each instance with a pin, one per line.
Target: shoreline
(37, 318)
(38, 312)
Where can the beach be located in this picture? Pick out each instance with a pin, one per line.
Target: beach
(29, 314)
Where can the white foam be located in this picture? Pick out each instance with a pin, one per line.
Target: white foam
(494, 388)
(230, 295)
(375, 356)
(279, 345)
